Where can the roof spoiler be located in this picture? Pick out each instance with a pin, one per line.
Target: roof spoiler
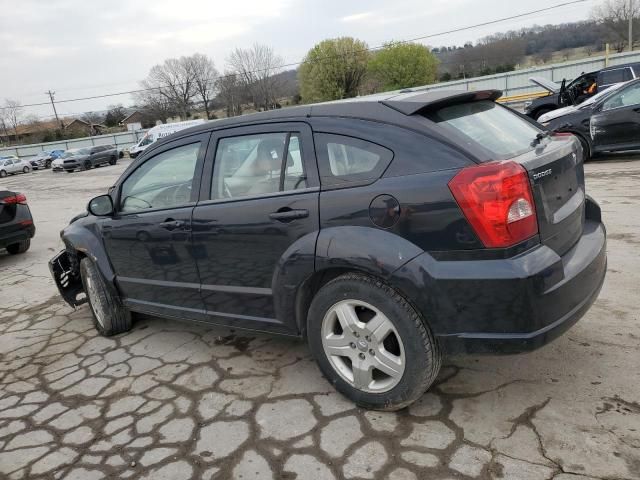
(410, 104)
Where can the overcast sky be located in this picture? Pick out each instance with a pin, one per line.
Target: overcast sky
(80, 48)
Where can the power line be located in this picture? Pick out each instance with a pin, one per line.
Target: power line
(328, 57)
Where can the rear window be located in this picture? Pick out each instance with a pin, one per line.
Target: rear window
(498, 130)
(616, 76)
(345, 159)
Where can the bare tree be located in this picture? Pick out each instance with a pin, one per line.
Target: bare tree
(204, 77)
(615, 15)
(256, 68)
(175, 81)
(12, 114)
(154, 106)
(231, 93)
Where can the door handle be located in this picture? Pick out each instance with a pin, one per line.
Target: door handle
(287, 215)
(171, 224)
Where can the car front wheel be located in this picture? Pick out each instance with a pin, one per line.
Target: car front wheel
(25, 170)
(110, 317)
(113, 160)
(3, 174)
(371, 344)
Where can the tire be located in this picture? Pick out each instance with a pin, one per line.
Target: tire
(113, 160)
(409, 341)
(541, 111)
(20, 247)
(3, 174)
(87, 165)
(25, 170)
(110, 317)
(47, 164)
(585, 148)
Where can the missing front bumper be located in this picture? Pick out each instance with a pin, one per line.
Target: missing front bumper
(66, 274)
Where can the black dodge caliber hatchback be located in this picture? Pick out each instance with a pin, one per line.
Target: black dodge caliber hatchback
(385, 230)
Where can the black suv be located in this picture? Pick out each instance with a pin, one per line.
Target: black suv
(581, 88)
(385, 230)
(16, 224)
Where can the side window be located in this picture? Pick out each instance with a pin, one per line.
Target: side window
(251, 165)
(613, 76)
(626, 98)
(164, 181)
(344, 159)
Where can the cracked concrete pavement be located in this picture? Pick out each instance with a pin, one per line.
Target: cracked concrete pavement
(175, 401)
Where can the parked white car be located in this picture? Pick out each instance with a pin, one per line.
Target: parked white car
(10, 165)
(56, 165)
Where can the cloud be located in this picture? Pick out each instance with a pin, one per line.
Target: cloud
(357, 17)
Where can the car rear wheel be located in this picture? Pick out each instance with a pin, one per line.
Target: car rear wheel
(371, 344)
(87, 165)
(25, 170)
(47, 164)
(19, 247)
(113, 160)
(110, 317)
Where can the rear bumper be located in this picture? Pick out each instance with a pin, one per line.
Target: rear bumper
(24, 233)
(517, 304)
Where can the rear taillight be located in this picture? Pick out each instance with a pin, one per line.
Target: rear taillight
(14, 199)
(497, 200)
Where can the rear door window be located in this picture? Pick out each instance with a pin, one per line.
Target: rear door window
(343, 160)
(250, 165)
(616, 76)
(488, 125)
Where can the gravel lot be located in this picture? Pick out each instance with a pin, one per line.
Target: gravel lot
(176, 401)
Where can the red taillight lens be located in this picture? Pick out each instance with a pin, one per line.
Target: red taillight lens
(497, 200)
(13, 199)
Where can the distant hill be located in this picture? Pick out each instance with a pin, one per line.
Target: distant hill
(503, 52)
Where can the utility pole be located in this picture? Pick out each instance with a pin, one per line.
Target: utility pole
(631, 25)
(51, 94)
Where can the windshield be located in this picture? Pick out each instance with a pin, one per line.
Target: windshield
(146, 140)
(489, 124)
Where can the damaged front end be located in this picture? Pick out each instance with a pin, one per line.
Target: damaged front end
(65, 269)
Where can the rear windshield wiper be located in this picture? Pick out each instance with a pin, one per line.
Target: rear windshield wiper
(539, 137)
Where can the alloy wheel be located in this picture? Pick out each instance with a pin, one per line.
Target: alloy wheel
(363, 346)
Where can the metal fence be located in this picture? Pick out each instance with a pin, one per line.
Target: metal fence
(511, 83)
(120, 140)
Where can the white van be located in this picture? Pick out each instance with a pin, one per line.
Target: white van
(158, 132)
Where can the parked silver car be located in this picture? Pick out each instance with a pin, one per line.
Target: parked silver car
(12, 164)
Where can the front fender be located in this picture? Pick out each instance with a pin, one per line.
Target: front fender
(84, 236)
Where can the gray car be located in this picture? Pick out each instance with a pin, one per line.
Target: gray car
(88, 157)
(11, 165)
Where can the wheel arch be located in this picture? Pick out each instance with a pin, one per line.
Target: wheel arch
(81, 241)
(339, 250)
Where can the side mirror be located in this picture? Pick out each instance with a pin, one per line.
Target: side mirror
(101, 206)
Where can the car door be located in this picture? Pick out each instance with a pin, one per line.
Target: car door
(256, 206)
(616, 123)
(148, 240)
